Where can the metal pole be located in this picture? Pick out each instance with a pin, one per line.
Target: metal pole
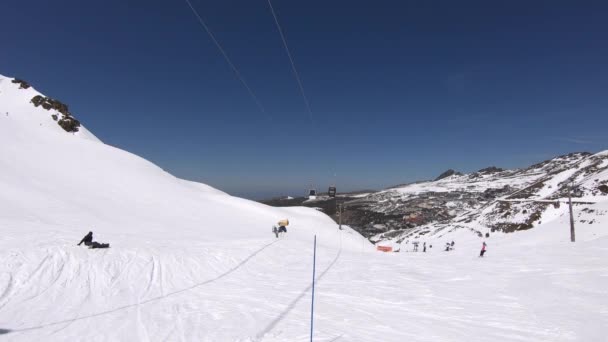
(572, 238)
(312, 305)
(340, 216)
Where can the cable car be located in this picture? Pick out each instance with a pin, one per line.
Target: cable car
(331, 192)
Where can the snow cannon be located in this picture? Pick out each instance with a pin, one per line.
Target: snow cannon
(284, 223)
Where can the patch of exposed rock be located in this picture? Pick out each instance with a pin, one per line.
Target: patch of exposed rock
(64, 119)
(447, 174)
(59, 110)
(22, 83)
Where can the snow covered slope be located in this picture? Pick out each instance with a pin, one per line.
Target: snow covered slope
(73, 180)
(190, 263)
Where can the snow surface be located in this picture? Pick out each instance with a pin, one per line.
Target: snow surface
(191, 263)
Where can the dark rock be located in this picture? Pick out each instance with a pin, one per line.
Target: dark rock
(603, 188)
(37, 100)
(448, 173)
(22, 83)
(67, 121)
(69, 124)
(491, 169)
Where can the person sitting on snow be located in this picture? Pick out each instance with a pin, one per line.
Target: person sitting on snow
(88, 241)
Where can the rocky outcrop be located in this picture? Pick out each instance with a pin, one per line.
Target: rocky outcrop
(491, 169)
(65, 119)
(447, 174)
(22, 83)
(59, 110)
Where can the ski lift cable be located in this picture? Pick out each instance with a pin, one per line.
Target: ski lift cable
(225, 55)
(293, 65)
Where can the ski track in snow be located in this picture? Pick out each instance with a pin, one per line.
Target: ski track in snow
(516, 293)
(294, 302)
(149, 284)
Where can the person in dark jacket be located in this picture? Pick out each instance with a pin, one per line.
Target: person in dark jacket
(88, 241)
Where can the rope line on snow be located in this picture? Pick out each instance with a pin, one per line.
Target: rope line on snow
(293, 65)
(225, 55)
(120, 308)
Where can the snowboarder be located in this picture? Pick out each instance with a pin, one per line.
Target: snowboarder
(483, 250)
(88, 241)
(424, 247)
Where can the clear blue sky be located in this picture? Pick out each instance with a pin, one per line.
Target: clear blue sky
(399, 90)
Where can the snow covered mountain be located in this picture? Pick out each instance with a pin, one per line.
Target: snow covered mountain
(489, 200)
(188, 262)
(70, 178)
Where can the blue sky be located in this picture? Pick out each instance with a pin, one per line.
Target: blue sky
(399, 90)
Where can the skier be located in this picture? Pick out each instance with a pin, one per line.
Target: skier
(452, 245)
(424, 247)
(483, 250)
(88, 241)
(447, 246)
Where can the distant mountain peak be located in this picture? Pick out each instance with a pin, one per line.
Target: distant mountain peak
(447, 174)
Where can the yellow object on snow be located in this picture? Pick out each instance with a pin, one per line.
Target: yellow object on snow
(284, 223)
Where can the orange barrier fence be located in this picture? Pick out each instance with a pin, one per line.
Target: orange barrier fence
(385, 248)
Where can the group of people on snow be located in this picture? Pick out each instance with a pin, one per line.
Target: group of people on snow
(449, 246)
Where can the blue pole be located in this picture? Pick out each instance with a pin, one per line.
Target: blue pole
(312, 305)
